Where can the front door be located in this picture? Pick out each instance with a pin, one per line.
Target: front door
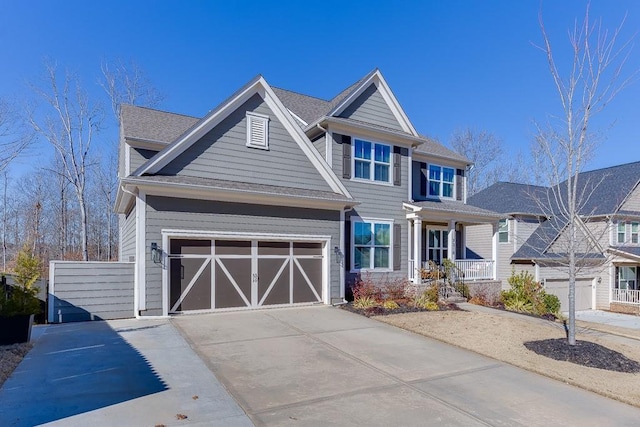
(437, 245)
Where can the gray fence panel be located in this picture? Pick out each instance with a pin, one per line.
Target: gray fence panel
(80, 291)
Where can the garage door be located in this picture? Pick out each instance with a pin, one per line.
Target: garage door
(221, 274)
(560, 288)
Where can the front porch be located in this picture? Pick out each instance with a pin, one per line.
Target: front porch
(437, 231)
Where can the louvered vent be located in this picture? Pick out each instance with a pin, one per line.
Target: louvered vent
(257, 131)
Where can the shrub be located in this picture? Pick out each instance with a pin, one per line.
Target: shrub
(428, 299)
(23, 298)
(431, 294)
(365, 287)
(528, 296)
(479, 299)
(390, 305)
(365, 302)
(395, 289)
(552, 303)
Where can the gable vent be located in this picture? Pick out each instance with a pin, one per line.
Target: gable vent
(257, 131)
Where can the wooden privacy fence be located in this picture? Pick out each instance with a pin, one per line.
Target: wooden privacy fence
(80, 291)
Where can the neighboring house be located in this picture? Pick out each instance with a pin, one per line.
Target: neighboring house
(276, 198)
(531, 238)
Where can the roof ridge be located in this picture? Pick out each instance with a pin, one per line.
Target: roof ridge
(300, 93)
(611, 167)
(160, 111)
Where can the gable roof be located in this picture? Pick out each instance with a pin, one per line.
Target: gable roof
(509, 198)
(258, 85)
(150, 125)
(430, 147)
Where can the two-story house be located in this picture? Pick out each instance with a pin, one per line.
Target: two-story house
(276, 198)
(533, 237)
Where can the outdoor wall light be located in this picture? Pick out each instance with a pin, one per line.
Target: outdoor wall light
(338, 254)
(156, 253)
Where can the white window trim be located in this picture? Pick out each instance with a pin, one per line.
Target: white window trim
(352, 245)
(261, 118)
(455, 190)
(631, 232)
(508, 231)
(373, 162)
(617, 232)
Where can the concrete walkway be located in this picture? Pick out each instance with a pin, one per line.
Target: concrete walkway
(608, 318)
(116, 373)
(326, 366)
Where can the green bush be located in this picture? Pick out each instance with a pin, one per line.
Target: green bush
(528, 296)
(365, 302)
(22, 298)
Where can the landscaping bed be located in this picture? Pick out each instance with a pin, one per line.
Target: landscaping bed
(10, 358)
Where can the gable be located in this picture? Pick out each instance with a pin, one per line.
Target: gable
(632, 203)
(371, 107)
(221, 153)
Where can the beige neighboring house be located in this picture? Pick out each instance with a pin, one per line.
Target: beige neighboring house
(530, 238)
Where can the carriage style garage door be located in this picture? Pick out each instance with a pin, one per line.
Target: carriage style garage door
(208, 274)
(560, 288)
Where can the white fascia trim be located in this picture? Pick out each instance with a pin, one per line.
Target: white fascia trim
(303, 141)
(187, 191)
(297, 117)
(140, 300)
(377, 79)
(127, 159)
(157, 162)
(241, 235)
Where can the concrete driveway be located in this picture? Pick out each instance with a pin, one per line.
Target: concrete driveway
(326, 366)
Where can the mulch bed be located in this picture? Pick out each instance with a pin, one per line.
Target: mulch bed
(584, 353)
(10, 358)
(404, 308)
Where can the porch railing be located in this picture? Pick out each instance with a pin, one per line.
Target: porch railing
(472, 269)
(625, 295)
(475, 269)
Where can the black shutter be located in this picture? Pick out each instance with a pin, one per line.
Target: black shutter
(459, 184)
(346, 157)
(397, 166)
(423, 179)
(397, 250)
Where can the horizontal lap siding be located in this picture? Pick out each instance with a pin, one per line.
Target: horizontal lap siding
(128, 237)
(377, 201)
(321, 146)
(222, 154)
(138, 156)
(185, 214)
(371, 107)
(479, 241)
(92, 290)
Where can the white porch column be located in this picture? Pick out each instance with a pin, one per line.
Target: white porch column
(451, 241)
(417, 248)
(494, 251)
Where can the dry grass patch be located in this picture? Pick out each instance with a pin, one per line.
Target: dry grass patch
(503, 338)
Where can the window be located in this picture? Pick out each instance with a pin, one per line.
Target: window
(503, 231)
(371, 161)
(621, 232)
(257, 131)
(438, 245)
(371, 245)
(441, 181)
(627, 278)
(634, 233)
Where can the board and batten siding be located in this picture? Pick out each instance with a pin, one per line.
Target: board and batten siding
(371, 107)
(81, 291)
(222, 154)
(380, 201)
(165, 213)
(128, 237)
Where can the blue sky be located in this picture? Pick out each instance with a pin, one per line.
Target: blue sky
(451, 64)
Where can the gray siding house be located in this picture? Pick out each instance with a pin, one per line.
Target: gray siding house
(531, 238)
(276, 198)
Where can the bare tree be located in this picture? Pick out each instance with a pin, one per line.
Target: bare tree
(13, 137)
(490, 164)
(127, 83)
(69, 125)
(566, 142)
